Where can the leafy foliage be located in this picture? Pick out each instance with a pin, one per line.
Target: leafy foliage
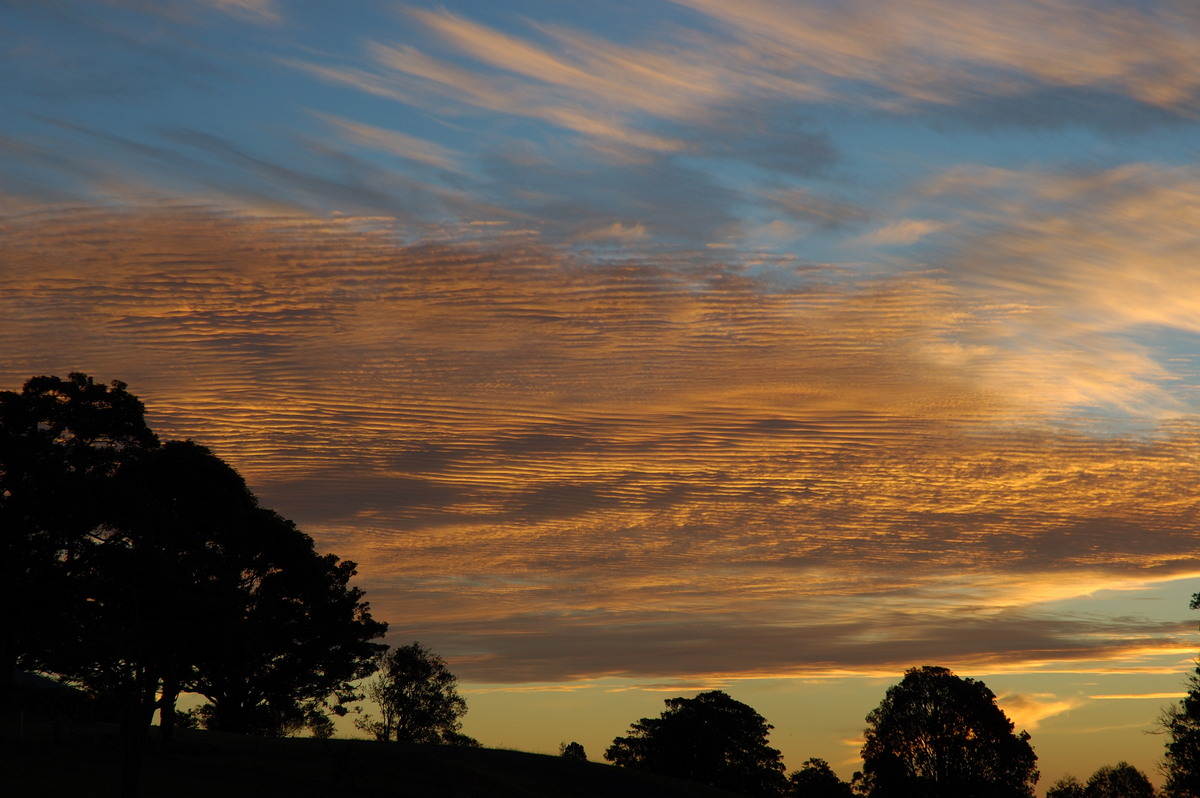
(936, 734)
(1122, 780)
(418, 699)
(1182, 724)
(815, 779)
(1066, 787)
(572, 750)
(711, 739)
(61, 443)
(141, 570)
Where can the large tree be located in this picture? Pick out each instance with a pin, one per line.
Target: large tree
(417, 697)
(295, 636)
(1182, 724)
(139, 571)
(936, 735)
(711, 739)
(62, 442)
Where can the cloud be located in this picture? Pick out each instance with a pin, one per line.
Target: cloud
(821, 212)
(902, 232)
(259, 11)
(393, 142)
(1084, 269)
(615, 232)
(1028, 710)
(554, 467)
(940, 52)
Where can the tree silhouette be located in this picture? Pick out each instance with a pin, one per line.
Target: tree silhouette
(815, 779)
(572, 750)
(1182, 724)
(139, 571)
(936, 735)
(418, 699)
(61, 443)
(1066, 787)
(167, 555)
(296, 636)
(1122, 780)
(711, 739)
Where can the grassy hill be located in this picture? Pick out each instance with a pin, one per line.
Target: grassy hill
(83, 759)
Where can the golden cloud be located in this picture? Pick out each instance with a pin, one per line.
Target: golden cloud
(566, 468)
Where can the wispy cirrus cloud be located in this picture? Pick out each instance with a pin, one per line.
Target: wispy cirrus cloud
(761, 60)
(944, 52)
(1028, 710)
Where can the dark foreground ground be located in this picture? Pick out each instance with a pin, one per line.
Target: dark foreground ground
(82, 759)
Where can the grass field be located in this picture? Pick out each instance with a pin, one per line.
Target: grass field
(83, 759)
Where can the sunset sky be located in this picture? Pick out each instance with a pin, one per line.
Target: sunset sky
(639, 347)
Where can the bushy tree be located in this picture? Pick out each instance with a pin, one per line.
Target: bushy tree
(711, 739)
(936, 735)
(815, 779)
(572, 750)
(1066, 787)
(299, 637)
(1122, 780)
(418, 699)
(1182, 724)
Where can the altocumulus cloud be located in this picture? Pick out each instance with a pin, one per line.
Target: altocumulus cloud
(563, 467)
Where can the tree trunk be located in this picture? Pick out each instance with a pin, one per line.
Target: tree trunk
(135, 723)
(166, 707)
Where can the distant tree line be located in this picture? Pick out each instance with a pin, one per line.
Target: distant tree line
(934, 735)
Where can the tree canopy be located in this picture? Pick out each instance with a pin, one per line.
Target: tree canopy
(139, 570)
(572, 750)
(1066, 787)
(1122, 780)
(418, 699)
(936, 735)
(61, 443)
(711, 739)
(816, 779)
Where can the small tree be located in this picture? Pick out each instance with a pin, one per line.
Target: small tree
(1122, 780)
(1066, 787)
(418, 699)
(711, 739)
(936, 735)
(572, 750)
(815, 779)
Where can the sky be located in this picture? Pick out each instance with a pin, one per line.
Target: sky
(634, 348)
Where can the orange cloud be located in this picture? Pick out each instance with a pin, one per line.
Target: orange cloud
(558, 468)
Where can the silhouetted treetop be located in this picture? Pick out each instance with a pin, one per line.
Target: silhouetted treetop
(815, 779)
(711, 739)
(141, 570)
(572, 750)
(418, 699)
(61, 443)
(936, 735)
(1122, 780)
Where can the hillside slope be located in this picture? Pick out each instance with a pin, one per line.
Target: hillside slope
(84, 758)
